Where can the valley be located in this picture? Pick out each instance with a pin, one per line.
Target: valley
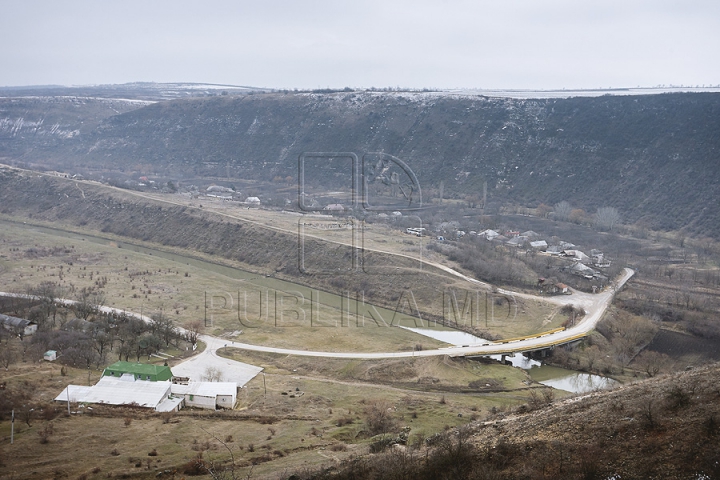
(200, 231)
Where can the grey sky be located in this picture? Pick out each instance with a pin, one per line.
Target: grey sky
(538, 44)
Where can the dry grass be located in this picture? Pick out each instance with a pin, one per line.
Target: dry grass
(302, 425)
(150, 280)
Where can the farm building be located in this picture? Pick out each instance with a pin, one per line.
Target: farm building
(208, 395)
(139, 371)
(489, 234)
(554, 250)
(517, 241)
(50, 355)
(161, 396)
(539, 245)
(576, 255)
(124, 391)
(17, 325)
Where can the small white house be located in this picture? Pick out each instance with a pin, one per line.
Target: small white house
(50, 355)
(208, 395)
(489, 234)
(18, 325)
(539, 245)
(252, 201)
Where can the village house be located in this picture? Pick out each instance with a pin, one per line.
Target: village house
(539, 245)
(207, 395)
(19, 326)
(576, 256)
(554, 250)
(334, 207)
(488, 234)
(517, 241)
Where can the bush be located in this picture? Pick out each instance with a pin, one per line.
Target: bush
(196, 466)
(342, 421)
(379, 418)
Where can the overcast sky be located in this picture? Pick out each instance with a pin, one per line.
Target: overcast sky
(533, 44)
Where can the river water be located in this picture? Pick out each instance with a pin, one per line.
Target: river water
(555, 377)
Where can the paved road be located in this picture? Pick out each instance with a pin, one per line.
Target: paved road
(594, 306)
(198, 367)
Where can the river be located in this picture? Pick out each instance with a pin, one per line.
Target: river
(555, 377)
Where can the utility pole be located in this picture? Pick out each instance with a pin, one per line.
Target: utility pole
(12, 427)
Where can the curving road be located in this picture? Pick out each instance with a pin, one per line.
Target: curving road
(594, 306)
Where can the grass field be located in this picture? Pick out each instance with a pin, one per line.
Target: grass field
(267, 310)
(299, 413)
(302, 411)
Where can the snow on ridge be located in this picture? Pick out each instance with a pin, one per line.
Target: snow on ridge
(568, 93)
(518, 94)
(76, 97)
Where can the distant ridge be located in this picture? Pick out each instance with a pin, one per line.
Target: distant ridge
(655, 157)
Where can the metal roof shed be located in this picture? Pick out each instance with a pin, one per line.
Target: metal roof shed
(114, 391)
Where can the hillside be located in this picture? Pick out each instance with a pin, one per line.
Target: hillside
(122, 215)
(664, 428)
(653, 157)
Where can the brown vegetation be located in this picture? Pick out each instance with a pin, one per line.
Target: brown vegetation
(665, 427)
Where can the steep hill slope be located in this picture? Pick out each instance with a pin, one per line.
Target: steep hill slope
(655, 157)
(662, 428)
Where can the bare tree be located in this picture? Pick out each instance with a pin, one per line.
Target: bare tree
(607, 218)
(7, 356)
(562, 210)
(47, 292)
(593, 354)
(652, 362)
(100, 333)
(223, 472)
(212, 374)
(193, 329)
(163, 326)
(88, 301)
(379, 417)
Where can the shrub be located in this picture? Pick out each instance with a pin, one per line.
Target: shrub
(342, 421)
(45, 433)
(196, 466)
(379, 418)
